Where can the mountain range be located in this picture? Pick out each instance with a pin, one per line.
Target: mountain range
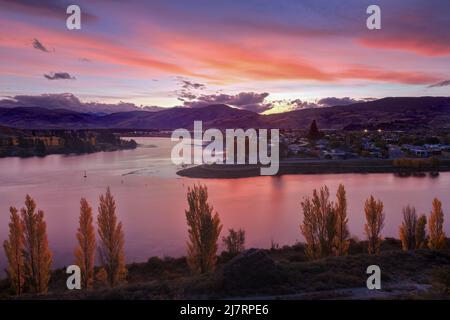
(390, 113)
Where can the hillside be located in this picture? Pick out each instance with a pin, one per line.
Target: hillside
(42, 118)
(394, 113)
(388, 113)
(274, 274)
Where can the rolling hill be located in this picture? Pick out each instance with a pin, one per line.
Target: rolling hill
(388, 113)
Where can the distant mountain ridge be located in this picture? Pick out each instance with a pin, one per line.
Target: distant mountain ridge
(393, 113)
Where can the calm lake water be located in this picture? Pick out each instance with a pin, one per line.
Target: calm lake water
(151, 199)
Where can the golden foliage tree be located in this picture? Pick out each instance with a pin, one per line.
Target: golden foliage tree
(341, 242)
(234, 242)
(436, 235)
(408, 228)
(85, 251)
(374, 224)
(319, 224)
(421, 233)
(203, 228)
(38, 258)
(310, 229)
(14, 247)
(112, 241)
(101, 276)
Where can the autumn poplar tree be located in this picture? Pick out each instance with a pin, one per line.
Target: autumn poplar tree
(85, 251)
(341, 240)
(111, 248)
(319, 224)
(38, 258)
(408, 228)
(421, 232)
(436, 235)
(234, 242)
(310, 229)
(374, 224)
(204, 230)
(14, 247)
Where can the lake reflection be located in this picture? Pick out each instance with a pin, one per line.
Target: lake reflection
(151, 199)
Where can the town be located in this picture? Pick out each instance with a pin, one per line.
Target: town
(25, 143)
(363, 144)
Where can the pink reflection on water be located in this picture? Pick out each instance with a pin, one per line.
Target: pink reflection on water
(151, 199)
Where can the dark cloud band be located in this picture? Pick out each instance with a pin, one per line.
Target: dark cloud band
(59, 76)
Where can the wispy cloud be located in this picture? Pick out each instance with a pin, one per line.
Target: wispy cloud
(246, 46)
(333, 101)
(69, 101)
(250, 101)
(186, 84)
(59, 76)
(444, 83)
(39, 46)
(297, 104)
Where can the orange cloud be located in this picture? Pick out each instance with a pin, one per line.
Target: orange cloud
(428, 47)
(240, 62)
(225, 61)
(368, 73)
(78, 45)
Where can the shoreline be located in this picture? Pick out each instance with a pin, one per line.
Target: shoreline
(223, 171)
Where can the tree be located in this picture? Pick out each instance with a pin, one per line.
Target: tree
(111, 236)
(374, 224)
(14, 247)
(342, 241)
(319, 224)
(38, 258)
(436, 238)
(203, 229)
(85, 251)
(44, 256)
(234, 242)
(408, 228)
(310, 229)
(421, 234)
(314, 132)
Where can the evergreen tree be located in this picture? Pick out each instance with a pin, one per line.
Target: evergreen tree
(314, 132)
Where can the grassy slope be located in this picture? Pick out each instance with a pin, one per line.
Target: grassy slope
(170, 278)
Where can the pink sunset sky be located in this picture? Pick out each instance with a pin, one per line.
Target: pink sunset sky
(266, 56)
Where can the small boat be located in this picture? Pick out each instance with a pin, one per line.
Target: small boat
(85, 175)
